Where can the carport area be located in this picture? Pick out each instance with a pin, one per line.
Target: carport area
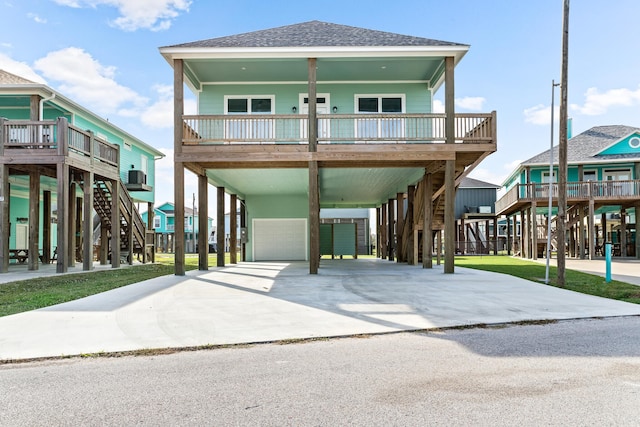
(261, 302)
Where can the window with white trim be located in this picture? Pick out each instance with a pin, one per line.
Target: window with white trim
(380, 127)
(545, 177)
(157, 222)
(249, 129)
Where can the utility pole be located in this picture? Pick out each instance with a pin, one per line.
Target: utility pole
(562, 161)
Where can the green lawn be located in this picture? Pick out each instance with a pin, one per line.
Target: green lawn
(575, 280)
(25, 295)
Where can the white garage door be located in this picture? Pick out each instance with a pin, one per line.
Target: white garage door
(282, 239)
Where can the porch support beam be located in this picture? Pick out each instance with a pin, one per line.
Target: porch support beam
(534, 230)
(220, 227)
(243, 228)
(427, 224)
(46, 226)
(71, 236)
(34, 219)
(593, 235)
(623, 231)
(87, 222)
(4, 216)
(203, 223)
(391, 229)
(383, 231)
(449, 173)
(115, 224)
(62, 175)
(400, 256)
(233, 229)
(314, 214)
(410, 222)
(178, 167)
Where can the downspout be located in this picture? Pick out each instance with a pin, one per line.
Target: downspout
(41, 109)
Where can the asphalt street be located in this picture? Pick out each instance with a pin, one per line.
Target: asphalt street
(574, 372)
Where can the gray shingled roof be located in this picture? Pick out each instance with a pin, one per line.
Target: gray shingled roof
(7, 78)
(583, 148)
(314, 34)
(476, 183)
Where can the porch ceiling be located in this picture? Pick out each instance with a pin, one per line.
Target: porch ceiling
(339, 187)
(201, 71)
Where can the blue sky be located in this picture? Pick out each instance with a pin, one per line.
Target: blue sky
(104, 55)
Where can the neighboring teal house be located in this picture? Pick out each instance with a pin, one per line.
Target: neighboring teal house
(603, 195)
(61, 169)
(317, 115)
(164, 227)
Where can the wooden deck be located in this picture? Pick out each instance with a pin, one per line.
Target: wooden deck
(79, 161)
(623, 193)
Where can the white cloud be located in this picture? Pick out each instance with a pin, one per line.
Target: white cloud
(164, 180)
(155, 15)
(470, 103)
(597, 103)
(20, 69)
(160, 114)
(541, 115)
(37, 18)
(84, 79)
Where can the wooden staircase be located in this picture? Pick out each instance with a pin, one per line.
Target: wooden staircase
(132, 227)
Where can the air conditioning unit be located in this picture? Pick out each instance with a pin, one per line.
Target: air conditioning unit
(137, 177)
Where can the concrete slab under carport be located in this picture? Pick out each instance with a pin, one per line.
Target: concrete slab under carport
(261, 302)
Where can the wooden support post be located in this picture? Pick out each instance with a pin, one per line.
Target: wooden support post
(203, 223)
(581, 233)
(391, 229)
(603, 223)
(34, 219)
(593, 233)
(534, 230)
(71, 236)
(4, 212)
(178, 167)
(314, 217)
(220, 240)
(439, 247)
(450, 169)
(427, 224)
(87, 222)
(383, 231)
(400, 227)
(130, 246)
(62, 175)
(623, 232)
(115, 224)
(522, 234)
(78, 236)
(508, 242)
(410, 222)
(233, 229)
(637, 207)
(462, 236)
(149, 235)
(495, 235)
(46, 226)
(243, 226)
(378, 231)
(104, 242)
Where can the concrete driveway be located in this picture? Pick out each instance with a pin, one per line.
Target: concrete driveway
(259, 302)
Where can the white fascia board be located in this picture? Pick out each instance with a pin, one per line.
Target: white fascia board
(313, 52)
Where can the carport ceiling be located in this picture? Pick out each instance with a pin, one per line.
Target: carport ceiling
(346, 187)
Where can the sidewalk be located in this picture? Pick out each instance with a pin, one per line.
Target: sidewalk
(262, 302)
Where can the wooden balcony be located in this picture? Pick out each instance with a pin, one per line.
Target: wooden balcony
(24, 142)
(601, 192)
(221, 141)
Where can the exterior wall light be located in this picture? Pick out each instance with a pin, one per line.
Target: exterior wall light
(294, 109)
(335, 109)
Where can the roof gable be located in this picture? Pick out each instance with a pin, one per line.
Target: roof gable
(315, 34)
(630, 144)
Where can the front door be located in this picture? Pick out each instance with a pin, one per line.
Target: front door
(322, 107)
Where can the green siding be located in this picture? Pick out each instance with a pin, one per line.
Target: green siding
(623, 146)
(344, 239)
